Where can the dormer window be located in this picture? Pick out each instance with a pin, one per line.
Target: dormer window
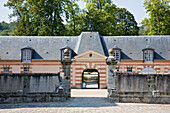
(116, 53)
(148, 54)
(26, 54)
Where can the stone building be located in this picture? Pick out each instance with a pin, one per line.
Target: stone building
(88, 53)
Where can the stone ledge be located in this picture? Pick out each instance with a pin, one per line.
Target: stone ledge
(31, 97)
(139, 99)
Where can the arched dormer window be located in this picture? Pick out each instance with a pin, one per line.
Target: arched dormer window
(148, 54)
(69, 50)
(26, 54)
(116, 53)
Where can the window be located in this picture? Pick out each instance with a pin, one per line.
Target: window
(26, 55)
(129, 69)
(6, 69)
(116, 54)
(148, 55)
(26, 70)
(117, 68)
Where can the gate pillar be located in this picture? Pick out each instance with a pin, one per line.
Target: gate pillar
(111, 86)
(66, 65)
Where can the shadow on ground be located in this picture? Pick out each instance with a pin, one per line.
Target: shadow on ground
(72, 102)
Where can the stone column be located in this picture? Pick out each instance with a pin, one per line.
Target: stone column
(151, 84)
(111, 74)
(26, 87)
(66, 64)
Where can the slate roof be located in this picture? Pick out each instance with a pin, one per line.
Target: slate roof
(132, 46)
(148, 47)
(89, 41)
(48, 47)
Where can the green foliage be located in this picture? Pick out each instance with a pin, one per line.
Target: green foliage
(102, 14)
(84, 78)
(74, 21)
(47, 17)
(107, 19)
(158, 22)
(144, 29)
(126, 24)
(7, 29)
(123, 92)
(39, 17)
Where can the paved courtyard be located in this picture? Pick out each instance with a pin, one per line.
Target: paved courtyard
(84, 105)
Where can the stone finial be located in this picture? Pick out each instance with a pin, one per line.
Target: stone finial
(66, 54)
(111, 51)
(111, 60)
(90, 25)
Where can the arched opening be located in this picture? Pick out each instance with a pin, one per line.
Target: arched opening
(90, 79)
(148, 70)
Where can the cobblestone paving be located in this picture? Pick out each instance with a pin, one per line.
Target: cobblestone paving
(84, 105)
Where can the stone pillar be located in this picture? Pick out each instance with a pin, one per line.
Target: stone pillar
(26, 87)
(111, 73)
(66, 64)
(151, 84)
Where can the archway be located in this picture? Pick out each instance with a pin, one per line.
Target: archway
(90, 79)
(148, 70)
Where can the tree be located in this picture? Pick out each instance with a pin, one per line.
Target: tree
(47, 17)
(102, 15)
(144, 29)
(74, 20)
(109, 19)
(7, 29)
(39, 17)
(158, 22)
(126, 24)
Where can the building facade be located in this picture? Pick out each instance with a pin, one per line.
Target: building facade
(88, 53)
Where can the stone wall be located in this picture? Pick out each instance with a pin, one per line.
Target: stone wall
(31, 87)
(43, 83)
(144, 88)
(11, 83)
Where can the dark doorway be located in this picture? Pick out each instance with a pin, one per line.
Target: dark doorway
(90, 79)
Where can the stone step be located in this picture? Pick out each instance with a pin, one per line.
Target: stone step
(88, 92)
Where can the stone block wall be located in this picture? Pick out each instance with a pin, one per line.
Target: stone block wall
(31, 87)
(10, 83)
(143, 88)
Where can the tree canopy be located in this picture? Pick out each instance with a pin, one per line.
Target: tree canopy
(158, 22)
(7, 29)
(64, 17)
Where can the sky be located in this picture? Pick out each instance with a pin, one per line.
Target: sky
(134, 6)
